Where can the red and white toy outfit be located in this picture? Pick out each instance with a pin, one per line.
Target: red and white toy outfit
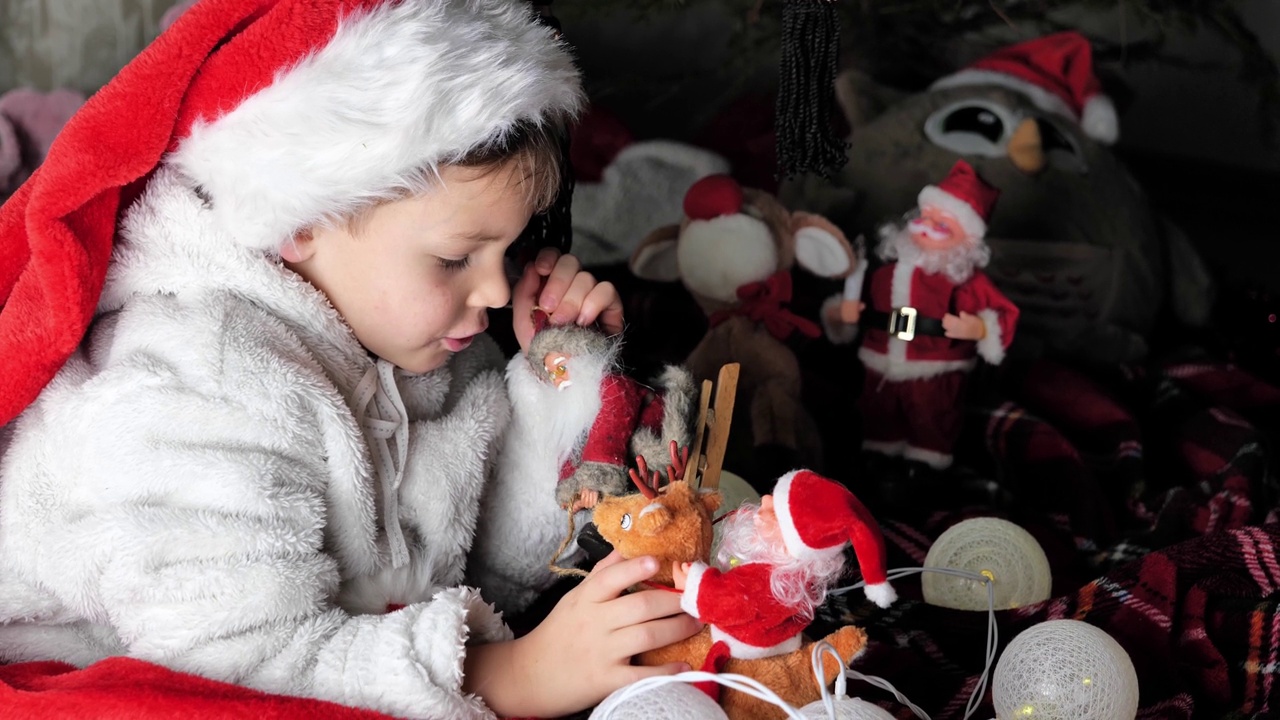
(817, 517)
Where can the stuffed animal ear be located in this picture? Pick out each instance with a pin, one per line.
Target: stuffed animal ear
(653, 518)
(655, 257)
(821, 247)
(862, 99)
(711, 500)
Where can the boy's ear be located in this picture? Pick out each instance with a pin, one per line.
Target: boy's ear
(299, 248)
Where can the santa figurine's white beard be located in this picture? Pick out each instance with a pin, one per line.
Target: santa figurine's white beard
(799, 584)
(957, 263)
(568, 412)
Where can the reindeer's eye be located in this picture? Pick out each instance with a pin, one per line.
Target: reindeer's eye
(626, 521)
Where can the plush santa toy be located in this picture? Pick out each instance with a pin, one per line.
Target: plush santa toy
(932, 313)
(579, 426)
(777, 562)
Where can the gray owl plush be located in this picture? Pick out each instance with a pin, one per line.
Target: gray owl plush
(1074, 241)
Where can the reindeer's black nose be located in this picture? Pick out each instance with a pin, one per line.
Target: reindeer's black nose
(593, 543)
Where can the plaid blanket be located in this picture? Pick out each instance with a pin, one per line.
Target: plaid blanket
(1150, 491)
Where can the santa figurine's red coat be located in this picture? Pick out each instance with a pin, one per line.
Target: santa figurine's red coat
(742, 611)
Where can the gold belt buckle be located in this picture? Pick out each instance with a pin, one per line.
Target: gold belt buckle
(908, 333)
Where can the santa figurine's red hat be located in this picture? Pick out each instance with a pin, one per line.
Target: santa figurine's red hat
(1056, 73)
(965, 195)
(279, 114)
(818, 517)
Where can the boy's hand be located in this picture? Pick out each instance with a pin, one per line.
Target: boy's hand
(582, 651)
(570, 295)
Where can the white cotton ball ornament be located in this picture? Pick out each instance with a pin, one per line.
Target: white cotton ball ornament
(1065, 670)
(673, 700)
(846, 708)
(996, 548)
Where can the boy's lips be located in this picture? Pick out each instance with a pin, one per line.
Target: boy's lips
(458, 344)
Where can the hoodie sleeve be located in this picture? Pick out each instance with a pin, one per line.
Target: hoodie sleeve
(196, 518)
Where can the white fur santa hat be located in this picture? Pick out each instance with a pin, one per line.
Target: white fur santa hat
(280, 114)
(1056, 73)
(818, 517)
(966, 196)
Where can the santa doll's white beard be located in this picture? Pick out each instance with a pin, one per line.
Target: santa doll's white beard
(800, 584)
(568, 412)
(957, 263)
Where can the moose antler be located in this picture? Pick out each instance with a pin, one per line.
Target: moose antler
(647, 483)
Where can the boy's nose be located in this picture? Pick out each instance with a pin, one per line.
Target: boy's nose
(492, 292)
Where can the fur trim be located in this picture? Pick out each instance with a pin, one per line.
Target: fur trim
(608, 480)
(837, 333)
(991, 346)
(689, 598)
(894, 369)
(399, 91)
(892, 449)
(881, 594)
(1101, 121)
(1040, 97)
(679, 401)
(718, 256)
(972, 223)
(744, 651)
(932, 458)
(573, 340)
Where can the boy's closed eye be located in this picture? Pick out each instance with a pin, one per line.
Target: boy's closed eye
(455, 264)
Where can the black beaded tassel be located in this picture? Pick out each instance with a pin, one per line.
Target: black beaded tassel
(806, 89)
(553, 228)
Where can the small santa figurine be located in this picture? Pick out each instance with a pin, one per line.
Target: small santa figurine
(932, 313)
(581, 425)
(776, 563)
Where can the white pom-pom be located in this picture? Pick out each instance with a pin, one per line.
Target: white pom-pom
(881, 594)
(993, 547)
(1065, 670)
(668, 701)
(1100, 120)
(847, 708)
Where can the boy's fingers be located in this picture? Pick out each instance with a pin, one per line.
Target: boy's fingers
(545, 261)
(641, 607)
(522, 301)
(609, 582)
(559, 279)
(656, 633)
(603, 304)
(570, 304)
(640, 672)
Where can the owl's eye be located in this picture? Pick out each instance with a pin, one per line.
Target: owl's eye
(970, 127)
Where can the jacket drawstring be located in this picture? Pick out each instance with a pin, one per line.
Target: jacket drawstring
(382, 415)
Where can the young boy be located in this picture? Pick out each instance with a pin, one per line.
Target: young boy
(263, 464)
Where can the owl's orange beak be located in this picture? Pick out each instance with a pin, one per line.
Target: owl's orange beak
(1025, 149)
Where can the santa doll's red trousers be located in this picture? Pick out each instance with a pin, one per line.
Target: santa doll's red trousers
(916, 419)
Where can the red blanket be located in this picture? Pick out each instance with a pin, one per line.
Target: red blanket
(125, 688)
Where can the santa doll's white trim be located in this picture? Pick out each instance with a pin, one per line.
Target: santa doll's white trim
(970, 221)
(932, 458)
(838, 333)
(898, 369)
(892, 449)
(400, 90)
(991, 346)
(740, 650)
(786, 525)
(692, 585)
(1100, 120)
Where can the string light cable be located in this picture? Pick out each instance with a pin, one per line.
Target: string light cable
(756, 689)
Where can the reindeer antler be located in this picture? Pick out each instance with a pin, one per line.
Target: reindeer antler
(679, 462)
(648, 486)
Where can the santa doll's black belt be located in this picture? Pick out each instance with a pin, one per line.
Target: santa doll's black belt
(903, 323)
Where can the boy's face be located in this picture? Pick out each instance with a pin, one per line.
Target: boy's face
(415, 280)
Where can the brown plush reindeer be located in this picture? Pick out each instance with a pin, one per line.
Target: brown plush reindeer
(734, 252)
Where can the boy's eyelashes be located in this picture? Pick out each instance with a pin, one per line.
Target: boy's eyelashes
(452, 264)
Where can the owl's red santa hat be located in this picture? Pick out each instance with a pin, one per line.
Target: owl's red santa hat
(1056, 73)
(818, 517)
(281, 114)
(966, 196)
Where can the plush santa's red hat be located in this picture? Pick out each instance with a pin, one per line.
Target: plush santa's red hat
(281, 113)
(965, 195)
(1056, 73)
(818, 517)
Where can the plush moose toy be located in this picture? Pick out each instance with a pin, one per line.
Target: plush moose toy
(734, 252)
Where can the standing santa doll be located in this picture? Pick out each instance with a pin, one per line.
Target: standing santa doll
(932, 313)
(579, 425)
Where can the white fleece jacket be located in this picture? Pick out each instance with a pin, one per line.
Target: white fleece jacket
(195, 487)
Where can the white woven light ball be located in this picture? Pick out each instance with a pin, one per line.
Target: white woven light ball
(847, 708)
(672, 700)
(1065, 670)
(997, 548)
(735, 491)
